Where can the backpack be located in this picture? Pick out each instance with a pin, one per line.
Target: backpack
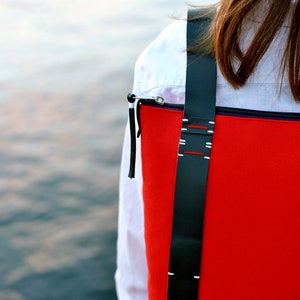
(225, 224)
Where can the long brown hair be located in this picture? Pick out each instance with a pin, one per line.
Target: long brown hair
(226, 32)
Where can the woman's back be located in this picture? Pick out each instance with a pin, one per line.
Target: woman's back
(160, 70)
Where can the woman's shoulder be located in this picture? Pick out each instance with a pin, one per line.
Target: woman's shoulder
(163, 62)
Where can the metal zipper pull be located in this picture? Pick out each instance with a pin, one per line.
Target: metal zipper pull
(158, 99)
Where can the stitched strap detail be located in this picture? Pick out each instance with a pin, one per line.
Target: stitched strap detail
(192, 168)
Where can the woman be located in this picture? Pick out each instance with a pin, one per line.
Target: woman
(257, 47)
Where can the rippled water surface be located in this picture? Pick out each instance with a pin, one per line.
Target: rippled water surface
(66, 66)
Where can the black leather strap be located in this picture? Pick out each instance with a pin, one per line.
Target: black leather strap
(192, 169)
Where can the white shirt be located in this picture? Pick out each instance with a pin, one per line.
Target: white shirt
(160, 70)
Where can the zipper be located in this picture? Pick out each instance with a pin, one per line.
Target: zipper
(249, 113)
(232, 111)
(158, 101)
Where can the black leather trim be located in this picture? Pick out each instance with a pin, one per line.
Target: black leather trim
(192, 168)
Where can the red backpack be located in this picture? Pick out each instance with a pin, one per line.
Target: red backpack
(244, 166)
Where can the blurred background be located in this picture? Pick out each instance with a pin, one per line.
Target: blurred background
(65, 69)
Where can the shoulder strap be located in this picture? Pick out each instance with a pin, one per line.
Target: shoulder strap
(192, 168)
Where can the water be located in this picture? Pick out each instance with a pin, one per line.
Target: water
(66, 66)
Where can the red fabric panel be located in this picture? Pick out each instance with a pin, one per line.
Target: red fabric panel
(251, 246)
(252, 218)
(160, 133)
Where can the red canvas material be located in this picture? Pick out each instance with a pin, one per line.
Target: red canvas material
(251, 246)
